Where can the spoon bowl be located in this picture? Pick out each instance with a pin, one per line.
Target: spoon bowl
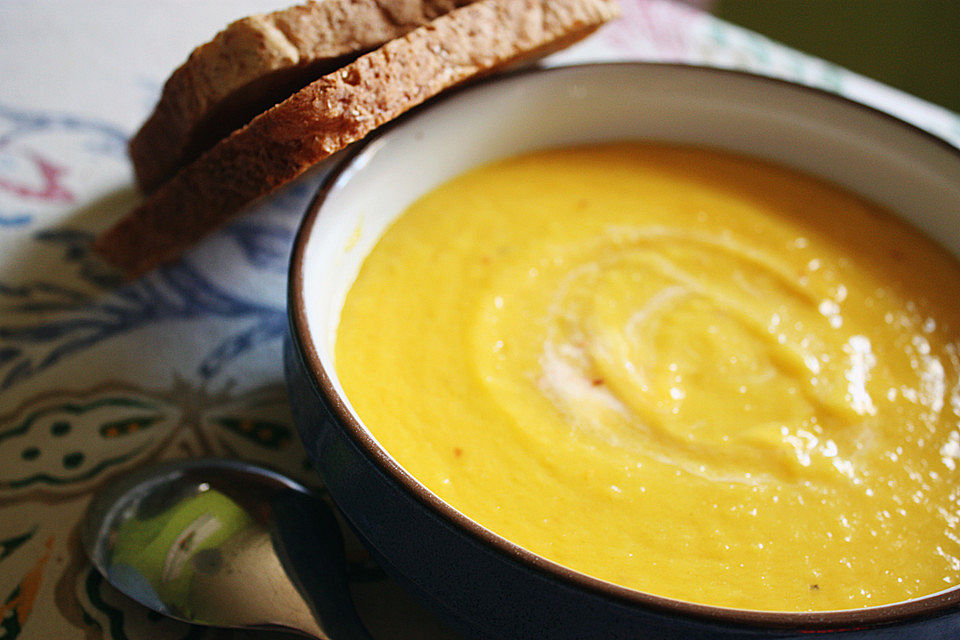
(224, 543)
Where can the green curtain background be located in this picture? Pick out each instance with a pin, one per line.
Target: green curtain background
(913, 45)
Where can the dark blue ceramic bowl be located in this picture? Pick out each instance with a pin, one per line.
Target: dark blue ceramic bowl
(482, 584)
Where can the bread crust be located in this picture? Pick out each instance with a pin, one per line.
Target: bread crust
(256, 62)
(338, 109)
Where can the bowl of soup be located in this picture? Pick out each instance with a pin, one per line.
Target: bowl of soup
(642, 350)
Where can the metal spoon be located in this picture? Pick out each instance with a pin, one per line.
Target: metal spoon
(224, 543)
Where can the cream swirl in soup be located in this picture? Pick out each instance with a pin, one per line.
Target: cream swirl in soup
(685, 372)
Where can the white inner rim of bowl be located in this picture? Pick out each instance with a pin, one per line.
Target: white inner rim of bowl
(869, 154)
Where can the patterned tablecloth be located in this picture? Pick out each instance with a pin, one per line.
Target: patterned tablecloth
(98, 376)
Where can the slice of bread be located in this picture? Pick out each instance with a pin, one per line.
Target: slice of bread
(340, 108)
(255, 63)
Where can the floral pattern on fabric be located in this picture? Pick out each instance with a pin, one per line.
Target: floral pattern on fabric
(98, 375)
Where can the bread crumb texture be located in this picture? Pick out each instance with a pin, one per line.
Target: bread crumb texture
(338, 109)
(256, 55)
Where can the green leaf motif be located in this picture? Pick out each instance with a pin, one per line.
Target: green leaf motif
(265, 433)
(71, 409)
(10, 545)
(73, 440)
(126, 426)
(16, 609)
(10, 624)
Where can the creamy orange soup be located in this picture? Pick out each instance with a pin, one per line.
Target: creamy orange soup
(684, 372)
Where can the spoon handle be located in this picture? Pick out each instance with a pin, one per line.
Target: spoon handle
(309, 537)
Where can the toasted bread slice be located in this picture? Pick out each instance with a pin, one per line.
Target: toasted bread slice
(340, 108)
(255, 63)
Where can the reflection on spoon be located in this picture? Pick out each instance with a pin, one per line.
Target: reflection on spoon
(224, 543)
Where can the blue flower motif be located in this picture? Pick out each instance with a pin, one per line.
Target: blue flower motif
(264, 245)
(10, 220)
(16, 124)
(61, 321)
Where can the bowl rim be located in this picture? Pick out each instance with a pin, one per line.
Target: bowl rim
(932, 604)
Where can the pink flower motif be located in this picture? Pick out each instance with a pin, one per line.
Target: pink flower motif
(661, 27)
(51, 187)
